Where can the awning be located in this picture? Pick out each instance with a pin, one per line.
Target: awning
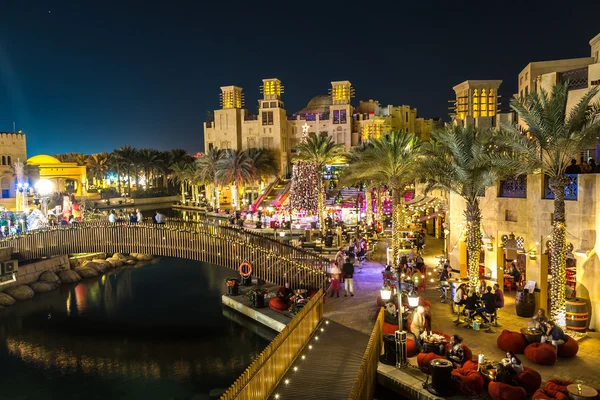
(431, 216)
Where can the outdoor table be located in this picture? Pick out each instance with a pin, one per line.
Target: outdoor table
(579, 391)
(437, 346)
(532, 335)
(489, 374)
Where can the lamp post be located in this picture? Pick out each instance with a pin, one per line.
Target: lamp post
(401, 359)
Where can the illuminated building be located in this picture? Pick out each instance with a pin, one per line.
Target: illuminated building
(65, 176)
(476, 102)
(13, 147)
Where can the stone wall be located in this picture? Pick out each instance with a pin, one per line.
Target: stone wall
(30, 273)
(77, 261)
(5, 253)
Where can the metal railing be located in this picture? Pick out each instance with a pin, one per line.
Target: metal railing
(273, 261)
(263, 375)
(366, 379)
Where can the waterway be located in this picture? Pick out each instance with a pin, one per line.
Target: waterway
(157, 331)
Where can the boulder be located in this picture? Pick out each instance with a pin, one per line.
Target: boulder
(129, 258)
(114, 262)
(130, 262)
(86, 272)
(119, 256)
(6, 300)
(41, 287)
(103, 263)
(21, 292)
(69, 276)
(49, 277)
(100, 268)
(142, 257)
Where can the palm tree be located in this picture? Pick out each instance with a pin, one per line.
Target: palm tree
(149, 159)
(319, 151)
(128, 159)
(390, 159)
(207, 167)
(181, 175)
(235, 168)
(347, 179)
(172, 157)
(97, 167)
(554, 135)
(264, 163)
(467, 161)
(115, 164)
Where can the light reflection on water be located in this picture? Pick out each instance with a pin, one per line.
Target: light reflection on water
(157, 331)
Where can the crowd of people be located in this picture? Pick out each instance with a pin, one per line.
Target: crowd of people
(583, 167)
(134, 217)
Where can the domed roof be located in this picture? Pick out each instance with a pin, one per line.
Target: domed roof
(42, 159)
(318, 104)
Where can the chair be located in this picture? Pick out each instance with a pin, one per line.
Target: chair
(508, 283)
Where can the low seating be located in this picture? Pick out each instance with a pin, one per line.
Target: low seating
(558, 385)
(276, 304)
(467, 352)
(511, 341)
(569, 348)
(424, 360)
(469, 380)
(411, 348)
(389, 329)
(471, 364)
(541, 353)
(529, 379)
(545, 394)
(502, 391)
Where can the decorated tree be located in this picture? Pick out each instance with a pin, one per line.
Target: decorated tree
(305, 187)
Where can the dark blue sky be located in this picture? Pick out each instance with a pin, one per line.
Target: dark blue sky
(91, 76)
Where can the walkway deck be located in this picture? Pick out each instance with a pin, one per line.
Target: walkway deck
(329, 369)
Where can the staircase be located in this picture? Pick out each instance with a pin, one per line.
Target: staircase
(347, 195)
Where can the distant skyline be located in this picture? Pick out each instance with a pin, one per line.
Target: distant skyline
(87, 77)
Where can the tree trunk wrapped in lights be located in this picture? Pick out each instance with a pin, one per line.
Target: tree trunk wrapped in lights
(473, 215)
(398, 222)
(379, 205)
(321, 202)
(558, 250)
(369, 205)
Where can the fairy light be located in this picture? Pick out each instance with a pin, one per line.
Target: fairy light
(276, 396)
(310, 346)
(287, 381)
(303, 357)
(295, 369)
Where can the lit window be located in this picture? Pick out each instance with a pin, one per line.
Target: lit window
(491, 103)
(336, 116)
(483, 104)
(342, 116)
(267, 117)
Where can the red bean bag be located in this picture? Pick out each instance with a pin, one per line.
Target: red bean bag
(466, 350)
(502, 391)
(569, 348)
(471, 364)
(545, 394)
(411, 348)
(389, 329)
(541, 353)
(470, 380)
(511, 341)
(425, 359)
(558, 385)
(278, 305)
(529, 379)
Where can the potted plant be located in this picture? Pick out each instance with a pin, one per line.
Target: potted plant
(233, 286)
(257, 296)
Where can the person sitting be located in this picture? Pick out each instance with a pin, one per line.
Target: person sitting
(456, 353)
(444, 285)
(573, 168)
(513, 364)
(418, 326)
(112, 217)
(516, 274)
(489, 304)
(499, 296)
(553, 333)
(503, 375)
(132, 218)
(539, 319)
(64, 222)
(285, 293)
(472, 303)
(159, 218)
(73, 220)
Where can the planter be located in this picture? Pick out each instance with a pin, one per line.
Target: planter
(259, 225)
(258, 300)
(233, 286)
(247, 281)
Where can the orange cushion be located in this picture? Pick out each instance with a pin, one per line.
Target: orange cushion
(559, 385)
(541, 353)
(545, 394)
(502, 391)
(471, 364)
(569, 348)
(411, 348)
(470, 380)
(424, 360)
(278, 305)
(529, 379)
(511, 341)
(389, 329)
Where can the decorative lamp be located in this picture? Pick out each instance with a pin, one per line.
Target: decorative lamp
(386, 293)
(532, 255)
(413, 299)
(282, 234)
(298, 226)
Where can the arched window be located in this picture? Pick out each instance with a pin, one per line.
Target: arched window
(9, 160)
(3, 160)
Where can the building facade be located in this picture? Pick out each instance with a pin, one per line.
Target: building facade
(13, 148)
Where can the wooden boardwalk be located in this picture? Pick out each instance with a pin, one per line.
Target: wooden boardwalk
(328, 369)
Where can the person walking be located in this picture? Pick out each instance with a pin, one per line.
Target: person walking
(138, 215)
(348, 271)
(335, 280)
(159, 218)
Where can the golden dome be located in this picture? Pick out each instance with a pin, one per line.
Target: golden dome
(42, 159)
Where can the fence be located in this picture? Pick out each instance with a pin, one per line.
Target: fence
(366, 380)
(263, 375)
(273, 261)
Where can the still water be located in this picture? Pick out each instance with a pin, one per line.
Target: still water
(157, 331)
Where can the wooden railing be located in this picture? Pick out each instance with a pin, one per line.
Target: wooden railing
(273, 261)
(366, 379)
(265, 372)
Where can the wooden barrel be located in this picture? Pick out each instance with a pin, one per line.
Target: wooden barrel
(577, 314)
(525, 304)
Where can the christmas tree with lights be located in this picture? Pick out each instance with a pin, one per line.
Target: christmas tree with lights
(306, 182)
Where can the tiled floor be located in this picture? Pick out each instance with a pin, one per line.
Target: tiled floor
(359, 313)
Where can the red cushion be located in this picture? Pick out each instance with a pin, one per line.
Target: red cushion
(511, 341)
(389, 329)
(466, 350)
(502, 391)
(425, 359)
(278, 305)
(470, 380)
(529, 379)
(541, 353)
(471, 364)
(545, 394)
(558, 385)
(569, 348)
(411, 348)
(409, 323)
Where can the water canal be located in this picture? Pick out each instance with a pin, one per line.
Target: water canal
(157, 331)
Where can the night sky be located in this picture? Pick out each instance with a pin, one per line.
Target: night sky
(91, 76)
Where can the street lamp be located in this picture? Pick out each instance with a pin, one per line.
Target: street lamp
(386, 293)
(44, 187)
(401, 356)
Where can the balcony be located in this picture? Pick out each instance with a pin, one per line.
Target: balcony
(515, 188)
(570, 189)
(576, 78)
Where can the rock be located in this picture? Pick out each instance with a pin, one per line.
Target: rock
(100, 268)
(130, 262)
(129, 258)
(114, 262)
(6, 300)
(86, 272)
(21, 292)
(41, 287)
(119, 256)
(134, 255)
(69, 276)
(143, 257)
(49, 277)
(103, 263)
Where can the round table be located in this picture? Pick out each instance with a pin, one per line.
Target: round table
(532, 336)
(587, 392)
